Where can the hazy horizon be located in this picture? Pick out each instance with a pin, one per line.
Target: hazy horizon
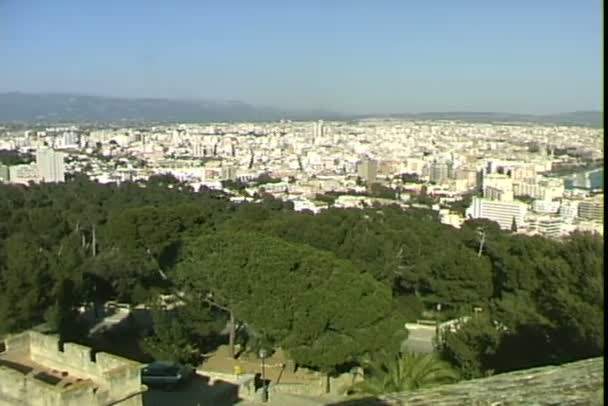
(346, 114)
(350, 57)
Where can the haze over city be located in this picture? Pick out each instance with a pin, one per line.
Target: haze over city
(345, 56)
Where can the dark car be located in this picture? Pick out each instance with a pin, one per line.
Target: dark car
(166, 375)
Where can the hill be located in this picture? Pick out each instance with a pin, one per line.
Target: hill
(58, 107)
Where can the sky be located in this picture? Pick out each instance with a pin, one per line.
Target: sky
(350, 56)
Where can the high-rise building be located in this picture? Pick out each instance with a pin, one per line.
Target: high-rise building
(4, 173)
(367, 170)
(70, 139)
(198, 149)
(50, 165)
(228, 172)
(439, 172)
(318, 130)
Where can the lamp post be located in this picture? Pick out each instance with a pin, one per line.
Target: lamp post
(263, 354)
(437, 324)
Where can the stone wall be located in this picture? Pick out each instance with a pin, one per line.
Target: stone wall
(337, 385)
(245, 383)
(19, 389)
(577, 383)
(105, 378)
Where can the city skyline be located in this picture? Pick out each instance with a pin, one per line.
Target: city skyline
(354, 57)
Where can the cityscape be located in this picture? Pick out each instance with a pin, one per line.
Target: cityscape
(515, 175)
(301, 203)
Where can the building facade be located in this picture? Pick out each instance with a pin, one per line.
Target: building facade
(50, 164)
(504, 213)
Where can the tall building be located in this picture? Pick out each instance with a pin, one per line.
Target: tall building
(228, 172)
(70, 139)
(367, 170)
(499, 211)
(4, 173)
(198, 149)
(50, 165)
(318, 130)
(439, 172)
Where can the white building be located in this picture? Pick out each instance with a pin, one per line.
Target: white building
(496, 186)
(544, 189)
(568, 210)
(51, 167)
(23, 173)
(545, 206)
(547, 226)
(318, 131)
(592, 209)
(501, 212)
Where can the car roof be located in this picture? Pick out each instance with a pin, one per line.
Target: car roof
(162, 365)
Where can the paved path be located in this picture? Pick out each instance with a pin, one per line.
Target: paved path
(420, 338)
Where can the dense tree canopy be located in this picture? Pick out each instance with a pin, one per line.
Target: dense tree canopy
(321, 309)
(327, 287)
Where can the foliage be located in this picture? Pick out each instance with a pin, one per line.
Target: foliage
(410, 178)
(293, 288)
(181, 334)
(471, 348)
(10, 157)
(460, 206)
(328, 288)
(403, 373)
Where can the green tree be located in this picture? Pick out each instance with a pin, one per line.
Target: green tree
(183, 333)
(514, 226)
(404, 373)
(471, 348)
(318, 308)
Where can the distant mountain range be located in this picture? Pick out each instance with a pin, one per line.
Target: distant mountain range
(56, 107)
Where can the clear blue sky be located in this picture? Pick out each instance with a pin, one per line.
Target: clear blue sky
(532, 56)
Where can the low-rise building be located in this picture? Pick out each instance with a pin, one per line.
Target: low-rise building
(547, 226)
(24, 173)
(504, 213)
(592, 209)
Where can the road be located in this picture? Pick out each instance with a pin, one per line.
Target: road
(420, 338)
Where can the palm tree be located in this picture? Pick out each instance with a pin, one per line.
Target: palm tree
(404, 372)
